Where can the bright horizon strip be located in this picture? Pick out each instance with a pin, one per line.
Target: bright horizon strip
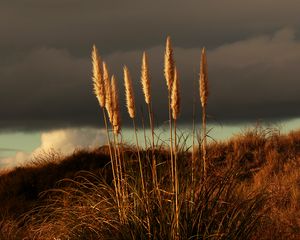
(10, 143)
(216, 132)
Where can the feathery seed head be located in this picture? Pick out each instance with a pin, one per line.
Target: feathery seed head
(116, 118)
(203, 79)
(98, 83)
(129, 93)
(175, 97)
(169, 64)
(108, 96)
(145, 79)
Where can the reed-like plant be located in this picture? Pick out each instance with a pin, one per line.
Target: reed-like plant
(108, 97)
(130, 103)
(193, 180)
(203, 82)
(102, 92)
(175, 106)
(116, 160)
(116, 124)
(146, 86)
(169, 65)
(115, 106)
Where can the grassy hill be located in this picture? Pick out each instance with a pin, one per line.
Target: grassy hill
(252, 191)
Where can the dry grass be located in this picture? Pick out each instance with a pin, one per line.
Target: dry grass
(175, 97)
(98, 81)
(115, 106)
(145, 79)
(169, 64)
(129, 93)
(203, 82)
(203, 89)
(108, 94)
(264, 188)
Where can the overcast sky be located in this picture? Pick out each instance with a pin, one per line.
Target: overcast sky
(253, 51)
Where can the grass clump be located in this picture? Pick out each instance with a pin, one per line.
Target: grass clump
(251, 192)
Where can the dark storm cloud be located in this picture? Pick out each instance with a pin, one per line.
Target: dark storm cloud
(128, 25)
(253, 55)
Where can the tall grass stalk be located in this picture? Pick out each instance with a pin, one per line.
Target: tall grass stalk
(175, 106)
(144, 128)
(169, 75)
(203, 98)
(131, 111)
(146, 86)
(110, 111)
(130, 103)
(116, 130)
(193, 141)
(100, 92)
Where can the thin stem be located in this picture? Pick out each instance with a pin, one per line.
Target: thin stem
(176, 181)
(119, 177)
(113, 165)
(204, 142)
(142, 179)
(193, 141)
(139, 156)
(122, 159)
(171, 143)
(144, 129)
(121, 165)
(151, 123)
(154, 171)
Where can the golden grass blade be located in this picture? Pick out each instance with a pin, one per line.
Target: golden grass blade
(129, 93)
(203, 98)
(115, 106)
(108, 95)
(169, 75)
(203, 79)
(98, 82)
(169, 64)
(175, 96)
(145, 79)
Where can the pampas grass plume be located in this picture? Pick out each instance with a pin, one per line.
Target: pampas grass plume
(175, 97)
(129, 93)
(98, 82)
(145, 79)
(115, 106)
(108, 96)
(169, 64)
(203, 79)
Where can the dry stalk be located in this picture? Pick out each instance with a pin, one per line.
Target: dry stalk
(116, 117)
(175, 97)
(108, 97)
(130, 103)
(193, 141)
(203, 98)
(146, 86)
(175, 105)
(98, 81)
(99, 84)
(116, 129)
(145, 79)
(169, 64)
(117, 165)
(169, 75)
(131, 111)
